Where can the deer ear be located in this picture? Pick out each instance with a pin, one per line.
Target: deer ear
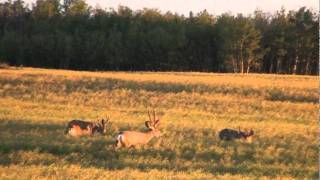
(147, 123)
(157, 123)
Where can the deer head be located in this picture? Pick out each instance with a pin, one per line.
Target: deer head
(100, 126)
(246, 135)
(153, 124)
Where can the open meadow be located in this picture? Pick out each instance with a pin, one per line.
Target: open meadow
(36, 104)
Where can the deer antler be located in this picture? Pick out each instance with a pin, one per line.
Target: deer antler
(150, 124)
(246, 130)
(154, 115)
(149, 116)
(104, 121)
(156, 122)
(96, 122)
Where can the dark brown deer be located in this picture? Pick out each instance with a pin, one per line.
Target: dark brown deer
(134, 138)
(231, 134)
(78, 128)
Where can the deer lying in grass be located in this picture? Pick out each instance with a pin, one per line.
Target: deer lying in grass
(133, 138)
(79, 128)
(230, 134)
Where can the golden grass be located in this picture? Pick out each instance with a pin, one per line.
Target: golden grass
(35, 104)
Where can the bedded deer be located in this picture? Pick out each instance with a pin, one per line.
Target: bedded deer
(230, 134)
(79, 128)
(133, 138)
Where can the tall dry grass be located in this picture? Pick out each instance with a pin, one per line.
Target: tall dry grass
(35, 104)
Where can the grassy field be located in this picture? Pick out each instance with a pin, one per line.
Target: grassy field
(35, 105)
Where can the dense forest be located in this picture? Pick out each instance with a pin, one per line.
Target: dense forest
(70, 34)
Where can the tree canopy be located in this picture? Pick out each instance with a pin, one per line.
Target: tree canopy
(70, 34)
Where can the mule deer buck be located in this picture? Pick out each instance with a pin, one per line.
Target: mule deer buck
(134, 138)
(230, 134)
(79, 128)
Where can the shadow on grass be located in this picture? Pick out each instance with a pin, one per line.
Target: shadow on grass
(99, 152)
(66, 86)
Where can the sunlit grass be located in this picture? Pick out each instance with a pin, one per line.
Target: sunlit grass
(35, 105)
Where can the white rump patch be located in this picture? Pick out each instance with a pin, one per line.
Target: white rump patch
(120, 137)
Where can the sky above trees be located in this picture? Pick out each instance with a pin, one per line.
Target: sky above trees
(213, 6)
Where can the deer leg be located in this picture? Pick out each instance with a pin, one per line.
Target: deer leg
(118, 144)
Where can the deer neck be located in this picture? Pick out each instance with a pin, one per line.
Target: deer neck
(149, 135)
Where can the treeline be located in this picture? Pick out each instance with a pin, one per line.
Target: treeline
(72, 35)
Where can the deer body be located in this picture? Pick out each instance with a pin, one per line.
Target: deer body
(133, 138)
(78, 128)
(230, 134)
(77, 131)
